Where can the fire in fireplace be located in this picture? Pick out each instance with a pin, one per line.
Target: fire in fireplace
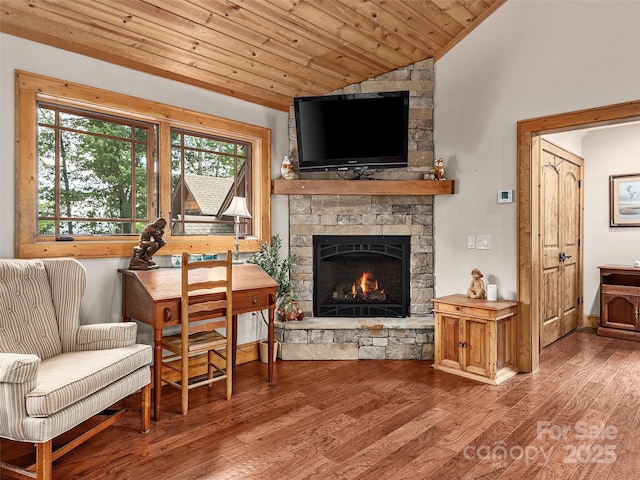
(361, 276)
(364, 289)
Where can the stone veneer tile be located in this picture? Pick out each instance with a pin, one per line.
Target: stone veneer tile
(372, 353)
(317, 351)
(401, 352)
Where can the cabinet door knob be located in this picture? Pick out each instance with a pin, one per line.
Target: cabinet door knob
(462, 344)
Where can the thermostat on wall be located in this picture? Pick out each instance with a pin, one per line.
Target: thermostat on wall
(505, 196)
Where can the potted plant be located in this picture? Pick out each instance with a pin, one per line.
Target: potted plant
(268, 258)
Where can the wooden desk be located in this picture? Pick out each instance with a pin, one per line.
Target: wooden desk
(153, 297)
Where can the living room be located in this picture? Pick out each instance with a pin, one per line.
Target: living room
(527, 60)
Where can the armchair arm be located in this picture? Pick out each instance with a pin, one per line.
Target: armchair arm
(102, 336)
(18, 374)
(18, 367)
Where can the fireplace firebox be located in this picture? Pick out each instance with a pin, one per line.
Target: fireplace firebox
(361, 276)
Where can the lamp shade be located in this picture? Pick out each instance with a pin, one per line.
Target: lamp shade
(237, 208)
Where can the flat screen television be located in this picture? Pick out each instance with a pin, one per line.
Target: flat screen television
(350, 131)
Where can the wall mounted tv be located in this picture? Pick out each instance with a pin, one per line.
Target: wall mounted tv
(351, 131)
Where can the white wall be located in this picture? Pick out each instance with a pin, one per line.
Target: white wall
(529, 59)
(102, 300)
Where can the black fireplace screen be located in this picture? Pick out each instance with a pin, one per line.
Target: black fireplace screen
(361, 276)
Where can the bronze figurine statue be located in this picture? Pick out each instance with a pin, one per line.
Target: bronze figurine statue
(150, 242)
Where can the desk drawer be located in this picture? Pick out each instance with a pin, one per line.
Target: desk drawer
(250, 302)
(168, 314)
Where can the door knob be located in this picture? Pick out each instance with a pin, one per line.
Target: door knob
(563, 256)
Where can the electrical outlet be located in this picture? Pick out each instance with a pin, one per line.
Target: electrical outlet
(483, 242)
(471, 241)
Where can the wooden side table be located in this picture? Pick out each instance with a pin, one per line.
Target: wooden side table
(475, 338)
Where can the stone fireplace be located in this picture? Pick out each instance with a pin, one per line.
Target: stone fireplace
(370, 335)
(365, 333)
(344, 217)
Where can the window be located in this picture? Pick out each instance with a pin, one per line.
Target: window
(97, 172)
(206, 172)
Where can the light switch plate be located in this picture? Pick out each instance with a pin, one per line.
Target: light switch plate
(471, 241)
(483, 242)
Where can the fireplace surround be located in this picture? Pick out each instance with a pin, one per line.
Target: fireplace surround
(342, 214)
(355, 337)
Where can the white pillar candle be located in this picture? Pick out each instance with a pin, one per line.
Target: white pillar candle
(492, 292)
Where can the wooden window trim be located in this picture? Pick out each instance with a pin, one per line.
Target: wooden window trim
(31, 88)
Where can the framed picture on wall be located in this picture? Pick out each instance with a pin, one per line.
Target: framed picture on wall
(624, 201)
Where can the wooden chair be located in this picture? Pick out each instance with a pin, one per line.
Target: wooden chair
(205, 307)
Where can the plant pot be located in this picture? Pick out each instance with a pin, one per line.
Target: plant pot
(264, 351)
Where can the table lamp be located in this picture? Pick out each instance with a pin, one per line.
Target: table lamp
(237, 209)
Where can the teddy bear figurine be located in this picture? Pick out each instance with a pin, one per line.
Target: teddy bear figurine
(476, 288)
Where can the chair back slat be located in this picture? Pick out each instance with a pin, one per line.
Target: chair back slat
(207, 285)
(211, 306)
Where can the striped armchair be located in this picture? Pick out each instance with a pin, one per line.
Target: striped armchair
(54, 372)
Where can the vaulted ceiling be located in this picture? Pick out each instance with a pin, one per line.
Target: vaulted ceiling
(262, 51)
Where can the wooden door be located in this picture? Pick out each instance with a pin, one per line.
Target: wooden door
(560, 239)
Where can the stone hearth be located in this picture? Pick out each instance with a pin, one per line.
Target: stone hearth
(356, 339)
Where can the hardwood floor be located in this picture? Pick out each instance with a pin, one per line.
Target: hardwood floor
(576, 417)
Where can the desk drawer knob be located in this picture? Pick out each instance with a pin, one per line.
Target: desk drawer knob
(255, 300)
(167, 315)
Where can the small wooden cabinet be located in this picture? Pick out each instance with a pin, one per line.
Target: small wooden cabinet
(475, 338)
(620, 302)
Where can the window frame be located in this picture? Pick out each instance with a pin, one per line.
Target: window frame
(31, 88)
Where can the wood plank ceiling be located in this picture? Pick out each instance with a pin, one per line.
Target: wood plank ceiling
(262, 51)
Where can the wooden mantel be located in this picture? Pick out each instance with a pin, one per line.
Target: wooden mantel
(361, 187)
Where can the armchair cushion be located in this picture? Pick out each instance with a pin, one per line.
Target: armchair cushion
(69, 377)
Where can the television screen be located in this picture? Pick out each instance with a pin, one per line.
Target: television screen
(341, 132)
